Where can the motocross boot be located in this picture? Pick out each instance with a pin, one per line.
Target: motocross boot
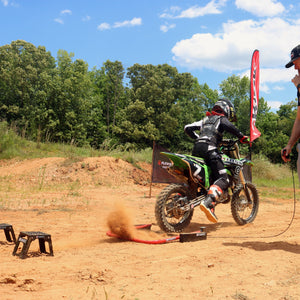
(209, 204)
(208, 207)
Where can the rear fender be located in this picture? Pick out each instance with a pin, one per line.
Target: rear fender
(196, 167)
(177, 160)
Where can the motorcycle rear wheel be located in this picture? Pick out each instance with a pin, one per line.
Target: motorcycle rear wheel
(169, 216)
(244, 210)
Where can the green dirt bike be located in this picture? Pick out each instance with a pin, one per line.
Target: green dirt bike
(175, 204)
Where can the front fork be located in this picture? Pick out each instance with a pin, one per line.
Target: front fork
(236, 155)
(244, 183)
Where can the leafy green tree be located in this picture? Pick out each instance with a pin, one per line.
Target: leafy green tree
(172, 99)
(96, 127)
(208, 97)
(166, 95)
(73, 102)
(26, 74)
(110, 98)
(62, 101)
(155, 87)
(236, 89)
(287, 114)
(136, 128)
(113, 91)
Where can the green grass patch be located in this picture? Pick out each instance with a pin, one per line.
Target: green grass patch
(272, 180)
(133, 157)
(272, 175)
(13, 146)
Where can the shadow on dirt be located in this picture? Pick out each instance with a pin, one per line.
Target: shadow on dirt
(264, 246)
(4, 243)
(112, 240)
(208, 227)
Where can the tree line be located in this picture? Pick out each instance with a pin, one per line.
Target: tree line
(49, 99)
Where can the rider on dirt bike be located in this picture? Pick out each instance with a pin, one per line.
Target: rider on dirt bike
(206, 146)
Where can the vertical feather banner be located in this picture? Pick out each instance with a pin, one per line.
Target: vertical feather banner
(254, 95)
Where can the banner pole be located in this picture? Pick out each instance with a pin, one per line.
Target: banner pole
(153, 147)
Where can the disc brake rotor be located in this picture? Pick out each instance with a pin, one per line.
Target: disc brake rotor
(173, 207)
(244, 203)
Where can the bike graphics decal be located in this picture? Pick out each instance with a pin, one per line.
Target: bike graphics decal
(232, 161)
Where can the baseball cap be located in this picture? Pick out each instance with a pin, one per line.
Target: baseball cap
(295, 53)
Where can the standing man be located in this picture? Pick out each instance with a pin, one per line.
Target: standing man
(295, 135)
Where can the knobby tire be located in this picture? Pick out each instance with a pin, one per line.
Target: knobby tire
(160, 209)
(236, 206)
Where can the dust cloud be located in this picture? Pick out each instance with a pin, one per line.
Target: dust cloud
(120, 223)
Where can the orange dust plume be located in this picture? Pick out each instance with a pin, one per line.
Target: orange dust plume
(120, 222)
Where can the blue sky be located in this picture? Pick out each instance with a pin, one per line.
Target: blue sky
(211, 39)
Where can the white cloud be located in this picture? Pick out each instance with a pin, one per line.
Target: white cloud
(261, 8)
(175, 9)
(213, 7)
(276, 75)
(103, 26)
(86, 18)
(130, 23)
(167, 27)
(62, 13)
(274, 104)
(272, 75)
(264, 88)
(278, 88)
(58, 20)
(5, 2)
(269, 76)
(231, 49)
(168, 15)
(133, 22)
(66, 12)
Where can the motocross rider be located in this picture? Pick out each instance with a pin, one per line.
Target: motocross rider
(206, 146)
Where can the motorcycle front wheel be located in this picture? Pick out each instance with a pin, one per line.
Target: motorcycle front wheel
(168, 208)
(243, 209)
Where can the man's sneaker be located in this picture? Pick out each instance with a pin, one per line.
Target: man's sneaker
(208, 208)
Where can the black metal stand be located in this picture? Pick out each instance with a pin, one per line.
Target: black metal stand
(31, 236)
(9, 232)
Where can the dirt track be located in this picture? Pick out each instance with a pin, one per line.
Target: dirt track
(72, 202)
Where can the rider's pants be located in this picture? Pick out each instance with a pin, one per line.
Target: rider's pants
(213, 159)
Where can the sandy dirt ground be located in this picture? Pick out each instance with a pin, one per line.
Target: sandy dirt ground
(73, 201)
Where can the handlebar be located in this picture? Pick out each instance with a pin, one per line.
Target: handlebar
(229, 142)
(228, 145)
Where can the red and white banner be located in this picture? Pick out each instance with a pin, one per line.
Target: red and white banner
(254, 95)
